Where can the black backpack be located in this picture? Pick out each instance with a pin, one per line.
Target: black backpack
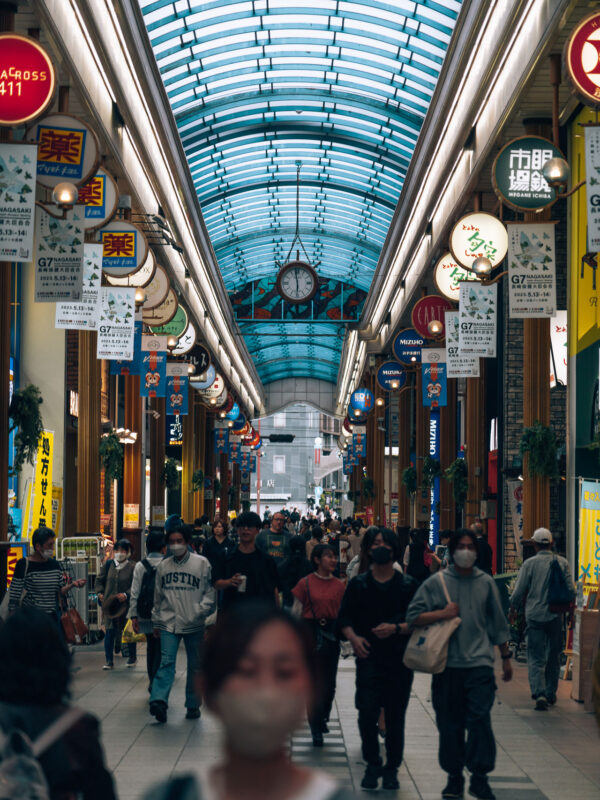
(560, 594)
(145, 601)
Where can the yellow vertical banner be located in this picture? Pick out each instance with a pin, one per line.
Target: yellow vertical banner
(42, 483)
(57, 499)
(589, 532)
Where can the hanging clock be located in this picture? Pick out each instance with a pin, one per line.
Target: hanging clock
(297, 282)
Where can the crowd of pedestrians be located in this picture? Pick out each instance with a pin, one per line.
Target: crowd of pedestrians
(263, 609)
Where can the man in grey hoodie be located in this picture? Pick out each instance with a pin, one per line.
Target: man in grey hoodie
(463, 694)
(183, 598)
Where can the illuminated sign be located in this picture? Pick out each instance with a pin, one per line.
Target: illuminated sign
(448, 274)
(27, 79)
(582, 60)
(68, 150)
(517, 173)
(407, 346)
(124, 248)
(478, 234)
(391, 376)
(427, 309)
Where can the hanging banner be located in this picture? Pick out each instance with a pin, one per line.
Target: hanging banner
(42, 484)
(478, 234)
(531, 270)
(589, 532)
(174, 430)
(59, 256)
(359, 444)
(100, 197)
(592, 186)
(515, 500)
(131, 367)
(346, 466)
(177, 388)
(17, 201)
(116, 323)
(458, 364)
(83, 315)
(434, 497)
(221, 440)
(478, 318)
(235, 452)
(68, 150)
(448, 275)
(154, 372)
(558, 349)
(435, 392)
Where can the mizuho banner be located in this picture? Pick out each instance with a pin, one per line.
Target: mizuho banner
(531, 270)
(589, 532)
(592, 186)
(478, 318)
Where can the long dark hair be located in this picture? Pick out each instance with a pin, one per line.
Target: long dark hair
(416, 562)
(367, 542)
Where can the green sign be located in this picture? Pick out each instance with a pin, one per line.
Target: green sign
(176, 327)
(517, 173)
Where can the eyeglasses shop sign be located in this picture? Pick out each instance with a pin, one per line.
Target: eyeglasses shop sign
(517, 173)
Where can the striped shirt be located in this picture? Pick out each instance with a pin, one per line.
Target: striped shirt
(42, 583)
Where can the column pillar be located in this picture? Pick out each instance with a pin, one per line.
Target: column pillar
(447, 456)
(188, 451)
(475, 444)
(200, 457)
(132, 465)
(210, 465)
(224, 470)
(89, 383)
(404, 434)
(157, 452)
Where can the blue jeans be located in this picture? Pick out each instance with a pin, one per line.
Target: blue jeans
(109, 645)
(163, 680)
(544, 646)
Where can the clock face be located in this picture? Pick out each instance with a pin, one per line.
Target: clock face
(297, 282)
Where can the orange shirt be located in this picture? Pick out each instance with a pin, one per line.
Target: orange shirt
(325, 593)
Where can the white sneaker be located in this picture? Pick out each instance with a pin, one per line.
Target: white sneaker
(131, 664)
(108, 666)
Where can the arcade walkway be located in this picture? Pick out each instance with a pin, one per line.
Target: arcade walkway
(550, 755)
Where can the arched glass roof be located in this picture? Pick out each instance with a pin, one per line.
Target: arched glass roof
(259, 85)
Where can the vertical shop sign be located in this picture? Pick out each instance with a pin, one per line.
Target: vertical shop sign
(177, 388)
(116, 324)
(59, 256)
(434, 452)
(17, 201)
(478, 317)
(153, 366)
(589, 532)
(221, 440)
(458, 364)
(435, 389)
(57, 500)
(83, 315)
(592, 186)
(42, 485)
(531, 270)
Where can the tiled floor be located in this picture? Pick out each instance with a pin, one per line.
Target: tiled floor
(553, 755)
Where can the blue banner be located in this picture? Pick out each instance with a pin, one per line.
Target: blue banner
(434, 452)
(177, 394)
(359, 444)
(154, 375)
(221, 444)
(119, 367)
(435, 391)
(235, 452)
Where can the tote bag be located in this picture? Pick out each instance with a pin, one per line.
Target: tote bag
(427, 648)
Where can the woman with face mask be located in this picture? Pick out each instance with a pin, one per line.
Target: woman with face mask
(372, 618)
(38, 580)
(113, 587)
(258, 677)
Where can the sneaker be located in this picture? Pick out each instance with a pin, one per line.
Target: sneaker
(108, 665)
(390, 779)
(324, 727)
(455, 788)
(541, 704)
(551, 700)
(192, 713)
(371, 777)
(158, 709)
(480, 788)
(131, 664)
(317, 739)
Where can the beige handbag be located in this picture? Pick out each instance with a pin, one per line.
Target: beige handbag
(427, 648)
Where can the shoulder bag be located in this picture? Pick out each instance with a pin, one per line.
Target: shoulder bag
(6, 599)
(427, 648)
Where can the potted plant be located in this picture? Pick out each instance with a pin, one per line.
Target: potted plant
(409, 480)
(197, 481)
(26, 419)
(170, 475)
(539, 443)
(457, 474)
(368, 488)
(431, 470)
(111, 456)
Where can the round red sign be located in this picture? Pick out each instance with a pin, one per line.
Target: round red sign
(27, 79)
(428, 308)
(582, 59)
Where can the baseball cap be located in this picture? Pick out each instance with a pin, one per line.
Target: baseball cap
(542, 536)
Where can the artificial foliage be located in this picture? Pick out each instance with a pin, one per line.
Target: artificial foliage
(197, 480)
(170, 475)
(368, 488)
(539, 444)
(457, 474)
(26, 419)
(111, 456)
(409, 480)
(431, 470)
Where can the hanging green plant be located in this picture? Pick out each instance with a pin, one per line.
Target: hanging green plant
(595, 445)
(457, 474)
(431, 470)
(170, 475)
(197, 481)
(24, 411)
(351, 495)
(539, 443)
(217, 486)
(368, 488)
(111, 456)
(246, 505)
(409, 480)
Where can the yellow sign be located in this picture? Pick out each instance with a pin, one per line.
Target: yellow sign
(57, 499)
(118, 244)
(589, 532)
(60, 146)
(131, 515)
(42, 484)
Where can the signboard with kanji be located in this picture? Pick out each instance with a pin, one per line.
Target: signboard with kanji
(163, 313)
(448, 275)
(59, 256)
(592, 186)
(83, 314)
(176, 326)
(582, 60)
(589, 532)
(478, 234)
(27, 79)
(100, 197)
(186, 341)
(41, 516)
(477, 310)
(517, 173)
(125, 248)
(17, 201)
(458, 364)
(407, 346)
(67, 150)
(116, 323)
(142, 278)
(531, 270)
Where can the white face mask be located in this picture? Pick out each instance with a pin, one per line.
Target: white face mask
(47, 554)
(464, 558)
(257, 723)
(119, 557)
(178, 549)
